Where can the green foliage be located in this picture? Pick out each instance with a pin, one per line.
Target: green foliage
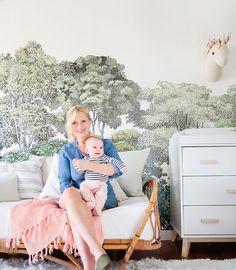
(158, 141)
(28, 83)
(179, 106)
(164, 202)
(225, 108)
(47, 148)
(99, 83)
(126, 139)
(16, 155)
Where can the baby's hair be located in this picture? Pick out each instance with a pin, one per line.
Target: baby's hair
(98, 138)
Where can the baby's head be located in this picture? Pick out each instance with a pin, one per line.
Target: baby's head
(94, 147)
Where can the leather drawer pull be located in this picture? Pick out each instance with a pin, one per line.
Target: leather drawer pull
(208, 161)
(209, 220)
(231, 191)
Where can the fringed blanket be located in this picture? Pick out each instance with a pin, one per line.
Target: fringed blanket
(38, 223)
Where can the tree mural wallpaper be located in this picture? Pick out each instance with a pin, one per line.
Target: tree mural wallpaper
(37, 89)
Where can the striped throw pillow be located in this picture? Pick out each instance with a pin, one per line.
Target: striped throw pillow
(29, 176)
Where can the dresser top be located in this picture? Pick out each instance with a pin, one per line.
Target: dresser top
(209, 136)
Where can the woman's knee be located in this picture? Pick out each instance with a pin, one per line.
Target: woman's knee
(70, 195)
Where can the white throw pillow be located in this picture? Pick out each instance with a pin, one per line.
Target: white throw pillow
(52, 186)
(120, 194)
(8, 187)
(47, 164)
(29, 176)
(131, 181)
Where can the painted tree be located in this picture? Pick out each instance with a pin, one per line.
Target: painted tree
(166, 109)
(28, 83)
(175, 105)
(99, 83)
(126, 139)
(225, 108)
(232, 99)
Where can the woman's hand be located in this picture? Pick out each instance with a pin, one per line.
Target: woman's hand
(80, 164)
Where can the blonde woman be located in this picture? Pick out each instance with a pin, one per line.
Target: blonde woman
(80, 217)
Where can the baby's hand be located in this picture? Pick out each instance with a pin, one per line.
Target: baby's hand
(125, 169)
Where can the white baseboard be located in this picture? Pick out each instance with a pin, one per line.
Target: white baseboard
(166, 234)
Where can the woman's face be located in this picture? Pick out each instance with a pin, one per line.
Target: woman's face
(81, 126)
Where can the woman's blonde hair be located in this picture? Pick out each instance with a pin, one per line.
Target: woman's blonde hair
(70, 118)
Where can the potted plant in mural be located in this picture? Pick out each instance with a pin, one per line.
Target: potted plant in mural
(36, 90)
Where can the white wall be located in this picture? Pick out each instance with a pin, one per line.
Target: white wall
(154, 39)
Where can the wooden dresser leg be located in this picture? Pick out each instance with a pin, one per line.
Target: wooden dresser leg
(185, 247)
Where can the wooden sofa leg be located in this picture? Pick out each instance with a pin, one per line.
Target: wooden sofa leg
(151, 189)
(75, 261)
(135, 239)
(122, 266)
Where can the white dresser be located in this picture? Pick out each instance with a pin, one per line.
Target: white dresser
(203, 185)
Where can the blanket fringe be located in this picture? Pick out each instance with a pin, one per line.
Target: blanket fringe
(68, 246)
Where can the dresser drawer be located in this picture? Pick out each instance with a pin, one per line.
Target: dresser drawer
(209, 161)
(210, 220)
(210, 190)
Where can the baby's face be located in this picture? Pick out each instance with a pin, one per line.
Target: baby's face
(95, 148)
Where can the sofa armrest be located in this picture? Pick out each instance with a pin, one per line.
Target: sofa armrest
(150, 189)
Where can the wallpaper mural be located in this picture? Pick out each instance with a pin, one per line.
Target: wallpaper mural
(36, 90)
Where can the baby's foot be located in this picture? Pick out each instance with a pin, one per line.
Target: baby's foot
(97, 211)
(91, 204)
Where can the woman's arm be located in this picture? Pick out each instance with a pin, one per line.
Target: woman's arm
(83, 165)
(106, 169)
(64, 173)
(111, 151)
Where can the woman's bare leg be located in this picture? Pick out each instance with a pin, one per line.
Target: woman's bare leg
(86, 256)
(79, 214)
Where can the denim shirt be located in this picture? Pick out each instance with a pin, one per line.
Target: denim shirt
(68, 176)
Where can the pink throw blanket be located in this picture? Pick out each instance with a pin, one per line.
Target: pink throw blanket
(38, 223)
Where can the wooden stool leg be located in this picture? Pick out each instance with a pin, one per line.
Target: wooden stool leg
(185, 247)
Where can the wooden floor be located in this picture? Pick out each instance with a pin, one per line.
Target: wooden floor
(172, 250)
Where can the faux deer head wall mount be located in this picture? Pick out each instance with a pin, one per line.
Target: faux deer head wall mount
(216, 59)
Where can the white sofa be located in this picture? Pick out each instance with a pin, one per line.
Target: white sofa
(134, 224)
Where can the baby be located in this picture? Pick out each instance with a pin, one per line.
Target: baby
(94, 188)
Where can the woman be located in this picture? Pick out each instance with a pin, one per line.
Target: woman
(81, 220)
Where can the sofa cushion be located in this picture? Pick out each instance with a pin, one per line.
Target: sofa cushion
(52, 187)
(29, 176)
(8, 187)
(131, 181)
(47, 164)
(120, 194)
(122, 222)
(113, 219)
(5, 211)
